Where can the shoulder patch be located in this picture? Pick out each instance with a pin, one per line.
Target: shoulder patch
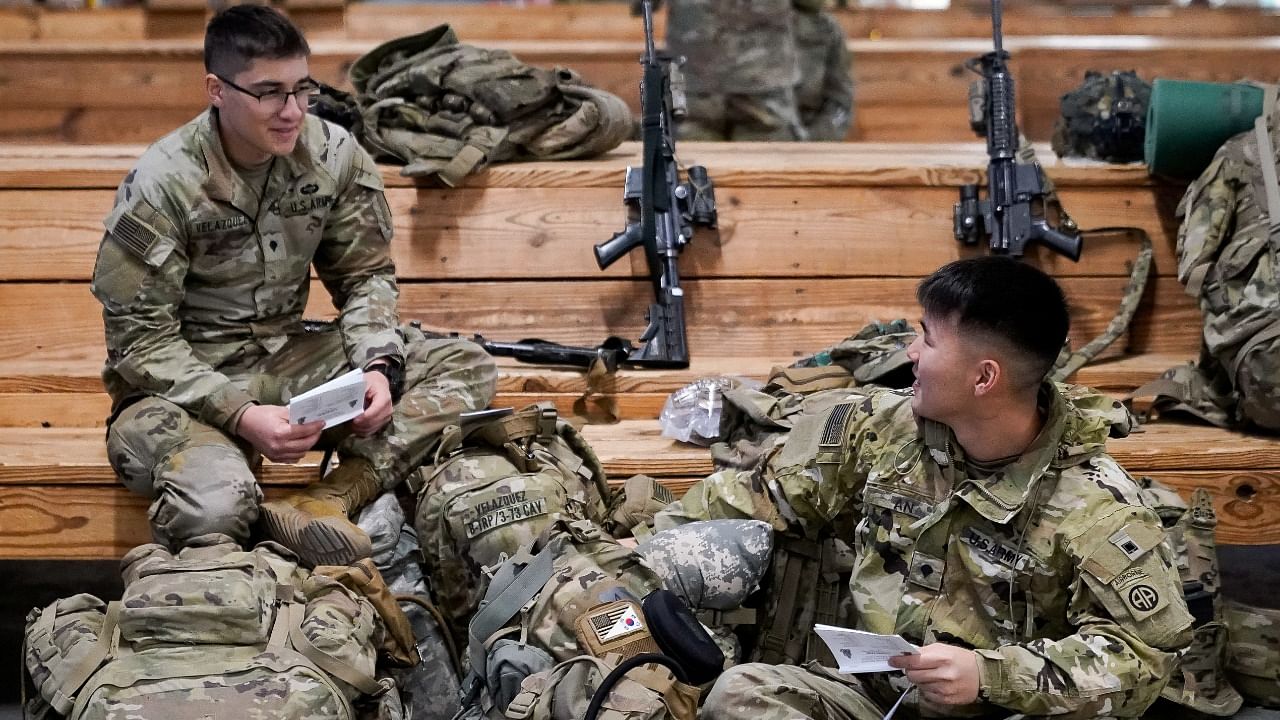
(1121, 549)
(142, 231)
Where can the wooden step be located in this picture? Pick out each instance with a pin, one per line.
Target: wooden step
(58, 497)
(34, 400)
(907, 89)
(795, 210)
(614, 21)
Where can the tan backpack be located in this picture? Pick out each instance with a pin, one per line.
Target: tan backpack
(194, 629)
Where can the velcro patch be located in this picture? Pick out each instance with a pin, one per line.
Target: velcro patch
(1144, 600)
(134, 235)
(992, 548)
(502, 510)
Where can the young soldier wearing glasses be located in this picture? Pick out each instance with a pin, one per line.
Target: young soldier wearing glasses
(204, 274)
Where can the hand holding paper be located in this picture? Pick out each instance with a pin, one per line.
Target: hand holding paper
(858, 652)
(336, 401)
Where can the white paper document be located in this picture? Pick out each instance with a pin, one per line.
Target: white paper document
(336, 401)
(858, 652)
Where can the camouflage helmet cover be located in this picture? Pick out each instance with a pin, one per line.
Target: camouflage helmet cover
(1104, 118)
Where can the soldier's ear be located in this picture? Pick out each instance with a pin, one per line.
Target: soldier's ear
(989, 373)
(214, 88)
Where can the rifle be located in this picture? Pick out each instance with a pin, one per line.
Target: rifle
(1013, 213)
(662, 211)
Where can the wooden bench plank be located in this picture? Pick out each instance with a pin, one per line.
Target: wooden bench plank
(513, 232)
(898, 81)
(613, 21)
(761, 317)
(737, 165)
(67, 510)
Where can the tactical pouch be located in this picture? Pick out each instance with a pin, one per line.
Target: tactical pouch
(316, 655)
(215, 601)
(1253, 653)
(563, 693)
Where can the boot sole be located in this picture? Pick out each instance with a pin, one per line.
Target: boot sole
(319, 541)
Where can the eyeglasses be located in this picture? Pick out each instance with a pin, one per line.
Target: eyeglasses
(274, 100)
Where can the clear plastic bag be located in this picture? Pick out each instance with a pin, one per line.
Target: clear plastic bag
(692, 413)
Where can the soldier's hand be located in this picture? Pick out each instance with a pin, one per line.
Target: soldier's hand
(945, 674)
(377, 405)
(268, 429)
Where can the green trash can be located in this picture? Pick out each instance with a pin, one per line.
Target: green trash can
(1188, 121)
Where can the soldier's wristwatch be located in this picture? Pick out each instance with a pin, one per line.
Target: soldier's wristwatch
(394, 374)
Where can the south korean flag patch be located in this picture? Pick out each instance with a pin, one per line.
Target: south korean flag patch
(619, 623)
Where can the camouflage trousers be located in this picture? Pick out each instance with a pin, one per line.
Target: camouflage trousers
(785, 692)
(200, 480)
(768, 115)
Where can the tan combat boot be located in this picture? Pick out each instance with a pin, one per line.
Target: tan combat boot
(314, 523)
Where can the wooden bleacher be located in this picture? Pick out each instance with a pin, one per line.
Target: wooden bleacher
(814, 241)
(911, 90)
(169, 19)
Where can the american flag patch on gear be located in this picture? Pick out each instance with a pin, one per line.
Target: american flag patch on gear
(136, 236)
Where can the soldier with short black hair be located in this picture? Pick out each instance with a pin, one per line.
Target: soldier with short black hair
(988, 526)
(203, 276)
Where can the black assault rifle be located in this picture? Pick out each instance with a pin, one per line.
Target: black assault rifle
(661, 214)
(661, 210)
(1013, 213)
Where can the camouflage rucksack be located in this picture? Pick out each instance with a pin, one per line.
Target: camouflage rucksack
(1253, 651)
(527, 620)
(495, 485)
(1227, 259)
(1104, 119)
(445, 109)
(211, 631)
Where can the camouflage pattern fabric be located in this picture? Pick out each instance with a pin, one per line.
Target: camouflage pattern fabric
(1104, 119)
(203, 315)
(430, 688)
(588, 568)
(824, 94)
(1052, 568)
(1253, 655)
(1200, 683)
(445, 109)
(768, 115)
(485, 497)
(565, 691)
(740, 68)
(1226, 259)
(214, 631)
(713, 564)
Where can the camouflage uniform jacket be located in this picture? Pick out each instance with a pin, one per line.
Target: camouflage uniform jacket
(1051, 568)
(825, 89)
(198, 277)
(733, 46)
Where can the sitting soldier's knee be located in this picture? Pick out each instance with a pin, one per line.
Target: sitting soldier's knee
(204, 489)
(731, 689)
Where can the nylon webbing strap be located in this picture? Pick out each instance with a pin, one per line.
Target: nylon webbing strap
(326, 662)
(509, 592)
(64, 696)
(461, 165)
(1267, 159)
(800, 555)
(1130, 300)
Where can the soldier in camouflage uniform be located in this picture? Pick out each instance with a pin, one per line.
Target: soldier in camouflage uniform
(203, 275)
(740, 68)
(992, 529)
(824, 94)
